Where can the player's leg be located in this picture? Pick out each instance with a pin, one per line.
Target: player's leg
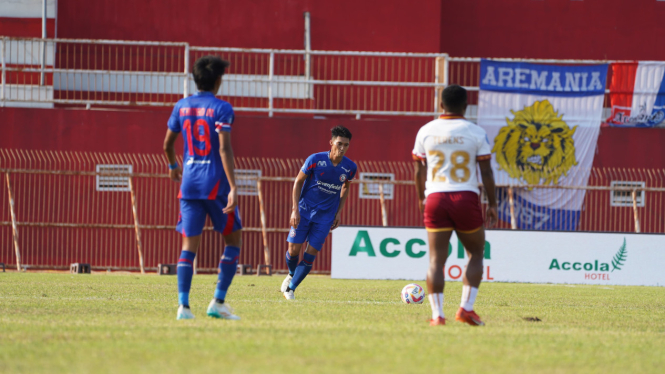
(439, 229)
(305, 265)
(228, 264)
(474, 243)
(297, 236)
(292, 255)
(316, 236)
(190, 225)
(438, 254)
(470, 231)
(230, 226)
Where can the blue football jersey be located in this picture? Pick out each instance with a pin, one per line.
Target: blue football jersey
(200, 118)
(320, 195)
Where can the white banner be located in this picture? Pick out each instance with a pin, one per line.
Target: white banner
(510, 256)
(542, 122)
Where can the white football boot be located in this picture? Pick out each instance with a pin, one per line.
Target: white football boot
(184, 313)
(286, 282)
(223, 311)
(288, 295)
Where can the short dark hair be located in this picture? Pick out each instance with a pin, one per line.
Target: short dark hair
(206, 71)
(340, 131)
(454, 98)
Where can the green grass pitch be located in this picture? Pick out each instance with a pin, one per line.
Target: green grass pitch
(121, 323)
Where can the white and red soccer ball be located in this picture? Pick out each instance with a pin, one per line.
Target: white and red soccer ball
(413, 294)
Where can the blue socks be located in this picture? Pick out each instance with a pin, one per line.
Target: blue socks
(302, 270)
(291, 262)
(227, 266)
(185, 273)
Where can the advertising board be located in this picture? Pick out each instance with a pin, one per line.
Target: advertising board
(510, 256)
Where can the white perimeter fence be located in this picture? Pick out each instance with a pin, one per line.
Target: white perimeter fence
(45, 72)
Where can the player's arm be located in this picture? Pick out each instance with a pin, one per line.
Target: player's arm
(488, 183)
(295, 198)
(342, 200)
(226, 153)
(175, 172)
(420, 176)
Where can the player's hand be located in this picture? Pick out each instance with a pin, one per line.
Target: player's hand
(295, 218)
(176, 174)
(336, 222)
(232, 202)
(491, 217)
(421, 204)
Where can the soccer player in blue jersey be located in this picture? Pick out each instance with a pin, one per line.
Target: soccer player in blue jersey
(208, 186)
(319, 194)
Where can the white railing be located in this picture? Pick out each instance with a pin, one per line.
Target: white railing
(91, 72)
(112, 72)
(121, 73)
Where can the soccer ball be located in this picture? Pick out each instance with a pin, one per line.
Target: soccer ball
(413, 294)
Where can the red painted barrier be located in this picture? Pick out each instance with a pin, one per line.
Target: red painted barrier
(142, 131)
(64, 215)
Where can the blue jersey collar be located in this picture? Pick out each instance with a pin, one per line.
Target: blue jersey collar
(331, 161)
(204, 93)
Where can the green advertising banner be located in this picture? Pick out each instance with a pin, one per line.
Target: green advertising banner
(510, 256)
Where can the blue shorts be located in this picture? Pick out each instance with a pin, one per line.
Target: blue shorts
(313, 232)
(193, 217)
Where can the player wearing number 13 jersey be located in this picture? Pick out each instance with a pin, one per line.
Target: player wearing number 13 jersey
(207, 185)
(447, 152)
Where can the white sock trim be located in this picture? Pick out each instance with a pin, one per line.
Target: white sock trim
(468, 297)
(436, 302)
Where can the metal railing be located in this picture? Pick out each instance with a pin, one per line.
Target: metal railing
(122, 73)
(92, 72)
(58, 208)
(126, 73)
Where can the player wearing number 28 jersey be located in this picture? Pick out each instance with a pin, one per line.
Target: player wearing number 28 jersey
(207, 187)
(452, 146)
(447, 152)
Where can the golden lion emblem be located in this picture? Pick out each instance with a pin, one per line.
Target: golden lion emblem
(536, 145)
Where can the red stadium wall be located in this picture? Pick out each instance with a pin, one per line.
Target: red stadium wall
(281, 137)
(593, 29)
(577, 29)
(131, 133)
(336, 25)
(143, 132)
(26, 27)
(584, 29)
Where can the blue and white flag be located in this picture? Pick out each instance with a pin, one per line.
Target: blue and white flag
(543, 123)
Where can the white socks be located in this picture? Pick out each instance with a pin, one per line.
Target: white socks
(468, 297)
(436, 302)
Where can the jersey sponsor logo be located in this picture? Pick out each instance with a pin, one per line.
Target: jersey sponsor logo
(322, 163)
(191, 161)
(535, 150)
(327, 187)
(342, 178)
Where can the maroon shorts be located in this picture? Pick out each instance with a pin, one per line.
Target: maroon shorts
(447, 211)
